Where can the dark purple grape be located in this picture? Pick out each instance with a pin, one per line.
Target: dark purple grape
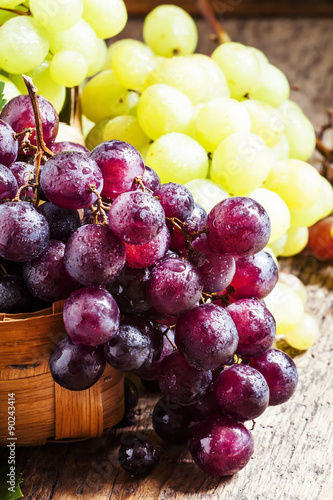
(66, 180)
(280, 373)
(238, 226)
(14, 295)
(255, 325)
(129, 290)
(221, 446)
(76, 367)
(128, 348)
(137, 457)
(8, 184)
(22, 173)
(136, 217)
(171, 421)
(174, 287)
(184, 384)
(120, 163)
(65, 146)
(153, 373)
(91, 316)
(141, 256)
(131, 394)
(242, 392)
(8, 145)
(194, 223)
(206, 407)
(46, 276)
(176, 200)
(206, 336)
(255, 276)
(62, 222)
(150, 179)
(216, 270)
(24, 232)
(94, 255)
(153, 330)
(18, 112)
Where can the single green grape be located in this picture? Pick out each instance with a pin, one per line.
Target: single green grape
(278, 245)
(297, 239)
(177, 158)
(162, 109)
(98, 64)
(304, 335)
(95, 134)
(115, 45)
(295, 283)
(131, 64)
(240, 66)
(10, 4)
(265, 121)
(10, 89)
(106, 17)
(218, 119)
(206, 193)
(241, 163)
(286, 306)
(274, 87)
(57, 15)
(297, 182)
(68, 68)
(126, 128)
(277, 210)
(259, 55)
(299, 131)
(281, 149)
(319, 210)
(24, 45)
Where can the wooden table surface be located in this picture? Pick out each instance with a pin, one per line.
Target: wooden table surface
(293, 442)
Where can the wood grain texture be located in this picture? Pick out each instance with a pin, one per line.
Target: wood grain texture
(294, 442)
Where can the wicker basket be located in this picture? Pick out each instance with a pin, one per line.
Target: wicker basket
(44, 411)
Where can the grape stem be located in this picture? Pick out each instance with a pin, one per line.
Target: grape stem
(138, 180)
(174, 347)
(26, 186)
(3, 270)
(100, 208)
(225, 298)
(208, 12)
(18, 12)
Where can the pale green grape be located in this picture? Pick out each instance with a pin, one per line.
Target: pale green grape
(56, 15)
(170, 31)
(103, 97)
(206, 193)
(24, 44)
(99, 62)
(295, 283)
(95, 135)
(10, 4)
(10, 89)
(286, 306)
(196, 75)
(177, 158)
(131, 65)
(277, 210)
(80, 38)
(107, 17)
(45, 84)
(115, 45)
(274, 87)
(281, 149)
(304, 335)
(87, 125)
(241, 163)
(163, 109)
(68, 68)
(218, 119)
(260, 56)
(278, 245)
(299, 131)
(297, 182)
(320, 209)
(240, 67)
(297, 239)
(144, 152)
(265, 121)
(126, 128)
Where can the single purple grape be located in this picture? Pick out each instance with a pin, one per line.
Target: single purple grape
(62, 222)
(120, 163)
(141, 256)
(136, 217)
(153, 373)
(46, 276)
(128, 348)
(221, 446)
(24, 232)
(171, 421)
(65, 146)
(91, 316)
(94, 255)
(14, 295)
(18, 113)
(255, 325)
(216, 270)
(174, 287)
(22, 173)
(238, 227)
(8, 145)
(184, 384)
(8, 184)
(255, 276)
(66, 180)
(76, 367)
(129, 290)
(194, 223)
(150, 179)
(242, 392)
(280, 373)
(137, 457)
(176, 200)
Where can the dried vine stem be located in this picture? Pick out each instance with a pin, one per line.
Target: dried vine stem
(209, 14)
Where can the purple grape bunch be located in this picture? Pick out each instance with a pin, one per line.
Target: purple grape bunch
(153, 285)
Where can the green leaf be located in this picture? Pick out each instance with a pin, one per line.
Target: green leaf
(2, 97)
(15, 491)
